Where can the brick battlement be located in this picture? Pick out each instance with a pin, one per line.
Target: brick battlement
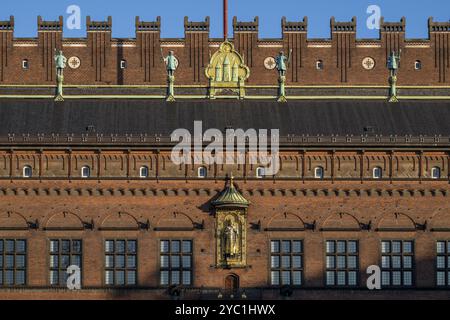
(100, 59)
(238, 26)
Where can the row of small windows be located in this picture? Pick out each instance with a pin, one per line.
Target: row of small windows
(176, 262)
(202, 172)
(26, 64)
(319, 64)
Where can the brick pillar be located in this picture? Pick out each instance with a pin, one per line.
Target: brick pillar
(294, 38)
(99, 48)
(440, 43)
(6, 38)
(148, 35)
(50, 34)
(197, 48)
(246, 39)
(343, 38)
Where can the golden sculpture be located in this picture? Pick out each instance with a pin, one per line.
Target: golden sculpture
(231, 232)
(227, 71)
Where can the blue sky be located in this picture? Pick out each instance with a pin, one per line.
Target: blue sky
(270, 13)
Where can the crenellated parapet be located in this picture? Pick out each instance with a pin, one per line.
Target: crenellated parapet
(341, 59)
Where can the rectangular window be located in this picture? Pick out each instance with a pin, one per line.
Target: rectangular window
(342, 263)
(443, 263)
(13, 256)
(121, 262)
(397, 263)
(63, 253)
(176, 262)
(286, 262)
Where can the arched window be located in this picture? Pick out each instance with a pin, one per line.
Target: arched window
(202, 172)
(318, 173)
(260, 172)
(27, 171)
(417, 65)
(25, 64)
(436, 173)
(319, 65)
(85, 172)
(143, 172)
(377, 173)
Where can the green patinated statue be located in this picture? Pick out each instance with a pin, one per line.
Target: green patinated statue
(393, 65)
(60, 62)
(171, 63)
(171, 66)
(394, 62)
(282, 63)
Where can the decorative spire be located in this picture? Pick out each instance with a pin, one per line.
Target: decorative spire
(230, 196)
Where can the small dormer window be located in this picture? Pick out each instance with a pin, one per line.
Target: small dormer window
(27, 172)
(143, 172)
(260, 172)
(25, 64)
(417, 65)
(377, 173)
(436, 173)
(85, 172)
(319, 65)
(202, 172)
(318, 173)
(123, 64)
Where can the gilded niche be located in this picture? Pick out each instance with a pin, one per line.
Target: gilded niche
(231, 231)
(227, 72)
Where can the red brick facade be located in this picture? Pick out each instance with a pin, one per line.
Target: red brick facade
(172, 203)
(342, 54)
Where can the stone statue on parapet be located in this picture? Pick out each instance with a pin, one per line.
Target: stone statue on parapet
(60, 63)
(282, 62)
(171, 63)
(393, 64)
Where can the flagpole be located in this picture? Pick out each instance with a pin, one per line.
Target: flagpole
(225, 19)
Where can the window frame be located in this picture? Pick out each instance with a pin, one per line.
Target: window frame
(280, 269)
(433, 170)
(3, 268)
(125, 269)
(417, 65)
(347, 270)
(180, 269)
(319, 64)
(82, 172)
(199, 169)
(257, 172)
(401, 269)
(316, 176)
(140, 172)
(374, 176)
(25, 64)
(59, 254)
(27, 167)
(123, 64)
(446, 269)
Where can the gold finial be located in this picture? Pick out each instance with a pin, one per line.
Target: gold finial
(231, 180)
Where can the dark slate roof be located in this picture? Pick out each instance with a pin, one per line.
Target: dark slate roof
(159, 117)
